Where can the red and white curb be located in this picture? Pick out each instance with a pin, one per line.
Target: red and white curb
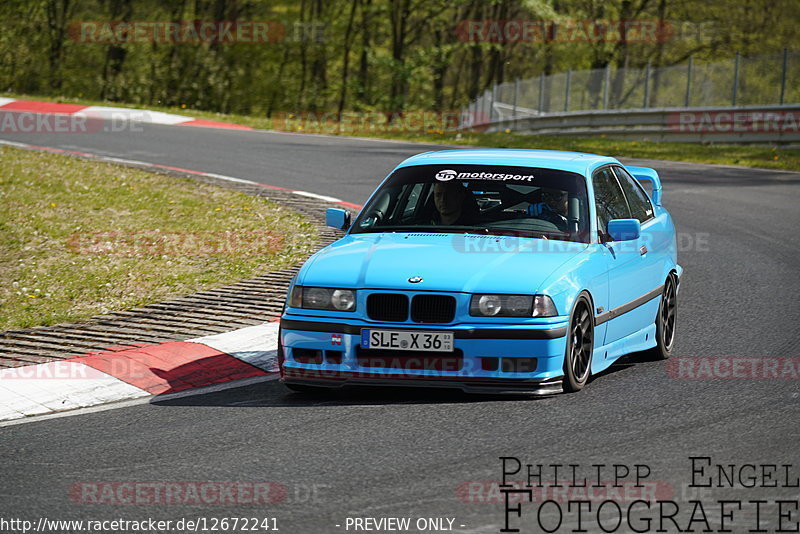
(231, 359)
(124, 373)
(108, 112)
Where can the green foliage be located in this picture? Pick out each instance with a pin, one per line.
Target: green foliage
(392, 54)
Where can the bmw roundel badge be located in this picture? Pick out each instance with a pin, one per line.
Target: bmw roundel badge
(415, 279)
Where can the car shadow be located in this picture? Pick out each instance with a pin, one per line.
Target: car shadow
(628, 361)
(264, 390)
(273, 393)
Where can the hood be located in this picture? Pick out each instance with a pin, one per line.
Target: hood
(445, 262)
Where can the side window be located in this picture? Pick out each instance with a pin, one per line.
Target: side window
(413, 198)
(640, 205)
(408, 202)
(608, 198)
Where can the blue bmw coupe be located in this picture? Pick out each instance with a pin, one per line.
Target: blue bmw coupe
(497, 271)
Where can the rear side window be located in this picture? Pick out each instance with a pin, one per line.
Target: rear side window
(609, 199)
(640, 205)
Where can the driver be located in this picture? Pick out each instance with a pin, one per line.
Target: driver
(450, 199)
(552, 208)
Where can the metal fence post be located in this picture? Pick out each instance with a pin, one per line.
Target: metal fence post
(490, 98)
(516, 95)
(606, 83)
(566, 91)
(647, 86)
(783, 73)
(736, 78)
(541, 93)
(473, 111)
(688, 83)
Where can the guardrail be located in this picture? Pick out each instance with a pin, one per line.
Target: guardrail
(744, 124)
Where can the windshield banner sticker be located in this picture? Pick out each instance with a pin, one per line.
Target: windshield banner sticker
(449, 174)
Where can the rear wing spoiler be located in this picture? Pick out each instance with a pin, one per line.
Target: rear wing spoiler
(649, 175)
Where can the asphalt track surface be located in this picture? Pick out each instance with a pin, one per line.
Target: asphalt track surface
(406, 453)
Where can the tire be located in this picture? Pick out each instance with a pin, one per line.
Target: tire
(666, 320)
(580, 346)
(281, 356)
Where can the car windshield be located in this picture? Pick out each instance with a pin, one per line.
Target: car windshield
(485, 199)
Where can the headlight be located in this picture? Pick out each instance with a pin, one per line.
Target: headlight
(512, 306)
(487, 305)
(343, 299)
(323, 298)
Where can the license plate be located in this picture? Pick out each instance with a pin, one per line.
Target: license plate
(407, 340)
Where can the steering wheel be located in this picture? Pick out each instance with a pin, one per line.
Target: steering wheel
(375, 217)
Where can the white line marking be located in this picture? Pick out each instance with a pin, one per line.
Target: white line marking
(153, 166)
(314, 195)
(157, 168)
(230, 178)
(121, 160)
(12, 143)
(4, 101)
(81, 411)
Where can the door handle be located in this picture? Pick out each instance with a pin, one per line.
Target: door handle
(643, 250)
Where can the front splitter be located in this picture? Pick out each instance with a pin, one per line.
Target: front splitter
(489, 386)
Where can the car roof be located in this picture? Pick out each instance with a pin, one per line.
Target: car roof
(577, 162)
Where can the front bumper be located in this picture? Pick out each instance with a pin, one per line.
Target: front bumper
(340, 362)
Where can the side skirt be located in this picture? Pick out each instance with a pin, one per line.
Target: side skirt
(604, 356)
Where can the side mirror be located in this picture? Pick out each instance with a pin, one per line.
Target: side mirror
(646, 174)
(624, 229)
(337, 218)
